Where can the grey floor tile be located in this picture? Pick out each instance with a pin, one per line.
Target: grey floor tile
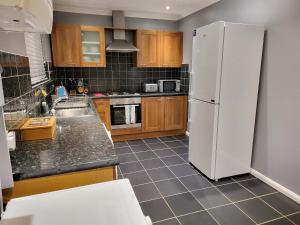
(210, 197)
(222, 181)
(152, 163)
(123, 150)
(235, 192)
(230, 215)
(183, 204)
(186, 141)
(257, 187)
(136, 142)
(138, 178)
(281, 221)
(145, 155)
(131, 167)
(295, 218)
(157, 210)
(152, 140)
(161, 174)
(181, 137)
(170, 187)
(140, 148)
(282, 203)
(120, 144)
(195, 182)
(258, 210)
(169, 138)
(243, 177)
(164, 153)
(157, 146)
(173, 160)
(181, 150)
(168, 222)
(182, 170)
(185, 157)
(197, 219)
(126, 158)
(174, 144)
(146, 192)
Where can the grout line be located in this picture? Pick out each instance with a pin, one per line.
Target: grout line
(160, 192)
(268, 203)
(213, 186)
(193, 196)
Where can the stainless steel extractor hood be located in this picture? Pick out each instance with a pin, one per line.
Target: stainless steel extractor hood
(119, 43)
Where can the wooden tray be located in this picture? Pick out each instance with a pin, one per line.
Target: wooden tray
(38, 128)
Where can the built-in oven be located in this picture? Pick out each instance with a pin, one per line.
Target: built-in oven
(125, 112)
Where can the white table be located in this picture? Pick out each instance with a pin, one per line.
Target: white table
(109, 203)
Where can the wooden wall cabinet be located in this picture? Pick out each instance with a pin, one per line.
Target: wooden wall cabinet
(164, 113)
(152, 114)
(171, 49)
(78, 46)
(92, 46)
(66, 45)
(148, 45)
(159, 48)
(103, 109)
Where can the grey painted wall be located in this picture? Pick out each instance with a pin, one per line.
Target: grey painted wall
(276, 144)
(13, 42)
(132, 23)
(106, 21)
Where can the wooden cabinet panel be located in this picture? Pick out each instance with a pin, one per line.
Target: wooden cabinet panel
(103, 108)
(171, 49)
(59, 182)
(66, 45)
(148, 45)
(152, 114)
(175, 113)
(93, 46)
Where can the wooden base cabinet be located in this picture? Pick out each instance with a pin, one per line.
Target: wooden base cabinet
(152, 114)
(164, 113)
(59, 182)
(103, 109)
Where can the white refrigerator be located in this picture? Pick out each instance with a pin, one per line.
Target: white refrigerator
(226, 65)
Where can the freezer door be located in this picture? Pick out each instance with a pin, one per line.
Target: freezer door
(203, 134)
(207, 61)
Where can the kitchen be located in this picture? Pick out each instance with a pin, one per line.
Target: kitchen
(131, 114)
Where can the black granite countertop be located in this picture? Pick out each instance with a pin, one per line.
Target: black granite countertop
(81, 143)
(141, 94)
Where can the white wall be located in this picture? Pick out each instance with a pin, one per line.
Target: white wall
(12, 42)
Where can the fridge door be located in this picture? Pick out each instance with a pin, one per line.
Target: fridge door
(207, 62)
(203, 135)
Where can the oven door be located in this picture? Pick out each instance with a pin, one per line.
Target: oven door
(125, 116)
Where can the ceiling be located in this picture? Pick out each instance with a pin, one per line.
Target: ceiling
(153, 9)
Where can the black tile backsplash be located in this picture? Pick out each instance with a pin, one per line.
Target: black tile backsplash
(20, 99)
(120, 74)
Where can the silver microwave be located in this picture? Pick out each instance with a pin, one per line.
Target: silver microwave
(168, 85)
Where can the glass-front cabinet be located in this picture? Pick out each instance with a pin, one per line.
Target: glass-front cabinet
(92, 46)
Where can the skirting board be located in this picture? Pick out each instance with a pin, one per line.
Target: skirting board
(277, 186)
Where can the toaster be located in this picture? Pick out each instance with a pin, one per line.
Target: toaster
(150, 88)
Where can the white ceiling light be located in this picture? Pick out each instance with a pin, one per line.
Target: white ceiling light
(168, 7)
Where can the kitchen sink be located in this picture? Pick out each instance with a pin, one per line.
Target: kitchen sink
(73, 112)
